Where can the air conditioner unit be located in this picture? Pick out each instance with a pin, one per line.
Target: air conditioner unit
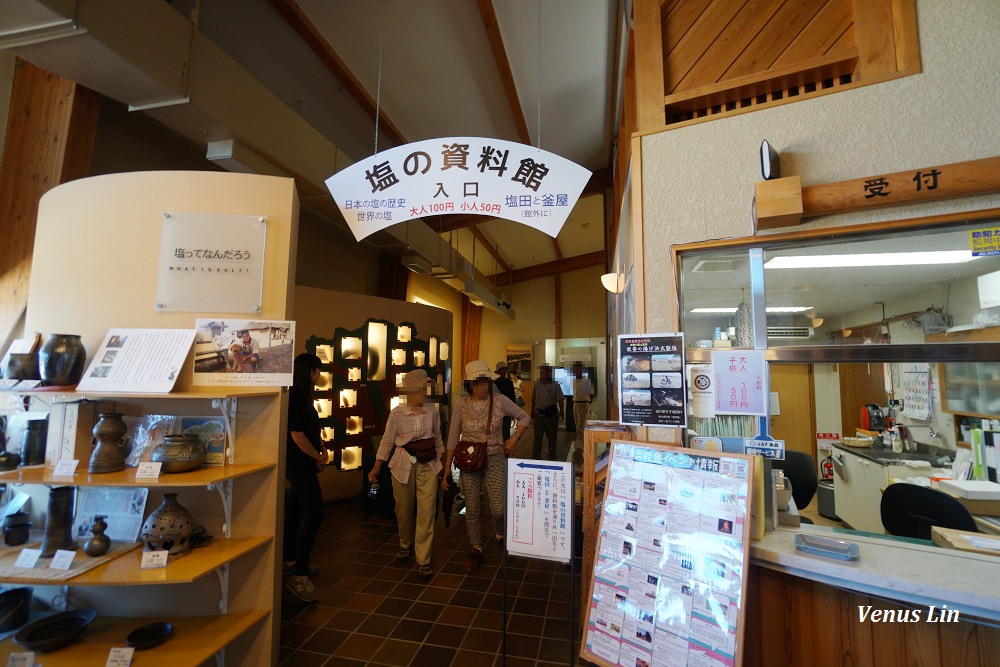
(417, 263)
(789, 332)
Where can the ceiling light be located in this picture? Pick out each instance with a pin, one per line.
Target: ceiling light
(770, 309)
(887, 259)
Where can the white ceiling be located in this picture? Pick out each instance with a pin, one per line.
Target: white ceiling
(439, 77)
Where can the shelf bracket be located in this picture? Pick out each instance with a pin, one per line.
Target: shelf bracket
(220, 657)
(227, 408)
(225, 490)
(223, 574)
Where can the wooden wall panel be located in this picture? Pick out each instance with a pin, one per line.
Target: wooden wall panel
(820, 35)
(773, 38)
(50, 134)
(696, 44)
(795, 621)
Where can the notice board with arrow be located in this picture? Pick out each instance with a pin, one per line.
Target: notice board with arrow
(540, 509)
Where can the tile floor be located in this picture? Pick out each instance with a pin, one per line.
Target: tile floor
(376, 611)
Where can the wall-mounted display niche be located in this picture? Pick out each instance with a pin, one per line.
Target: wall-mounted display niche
(360, 378)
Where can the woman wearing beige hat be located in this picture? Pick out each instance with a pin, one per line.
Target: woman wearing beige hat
(412, 430)
(478, 416)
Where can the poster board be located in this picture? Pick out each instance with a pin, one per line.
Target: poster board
(651, 380)
(669, 581)
(539, 509)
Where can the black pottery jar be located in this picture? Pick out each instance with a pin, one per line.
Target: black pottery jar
(61, 360)
(16, 528)
(59, 522)
(99, 544)
(33, 442)
(179, 453)
(110, 443)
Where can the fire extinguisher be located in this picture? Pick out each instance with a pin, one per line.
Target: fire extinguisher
(827, 467)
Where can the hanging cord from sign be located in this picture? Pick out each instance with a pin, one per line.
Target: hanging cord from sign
(378, 85)
(538, 80)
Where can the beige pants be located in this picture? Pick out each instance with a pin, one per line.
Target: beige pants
(420, 491)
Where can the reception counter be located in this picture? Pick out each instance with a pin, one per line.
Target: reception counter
(807, 609)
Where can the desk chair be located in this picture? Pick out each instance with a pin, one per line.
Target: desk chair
(909, 510)
(800, 469)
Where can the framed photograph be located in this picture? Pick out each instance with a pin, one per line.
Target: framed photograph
(519, 361)
(243, 352)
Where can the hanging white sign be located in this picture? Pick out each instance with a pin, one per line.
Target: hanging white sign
(458, 175)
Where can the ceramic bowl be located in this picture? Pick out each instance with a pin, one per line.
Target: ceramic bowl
(56, 631)
(15, 604)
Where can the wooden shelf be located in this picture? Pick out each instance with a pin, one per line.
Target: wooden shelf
(69, 394)
(195, 639)
(202, 476)
(126, 570)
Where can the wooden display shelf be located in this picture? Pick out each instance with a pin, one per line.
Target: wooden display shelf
(195, 639)
(202, 476)
(71, 394)
(126, 570)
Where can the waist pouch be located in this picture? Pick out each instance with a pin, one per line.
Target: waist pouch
(424, 451)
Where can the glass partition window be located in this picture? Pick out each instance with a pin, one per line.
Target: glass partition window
(902, 287)
(716, 297)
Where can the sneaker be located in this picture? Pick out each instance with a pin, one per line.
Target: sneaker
(425, 571)
(475, 561)
(288, 567)
(303, 589)
(403, 554)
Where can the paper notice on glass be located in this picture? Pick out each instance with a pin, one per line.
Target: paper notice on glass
(123, 508)
(138, 360)
(702, 391)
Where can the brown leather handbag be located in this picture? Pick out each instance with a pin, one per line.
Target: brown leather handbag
(470, 455)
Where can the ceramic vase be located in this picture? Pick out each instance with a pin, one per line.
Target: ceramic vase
(168, 527)
(33, 442)
(61, 360)
(22, 366)
(110, 443)
(59, 522)
(99, 544)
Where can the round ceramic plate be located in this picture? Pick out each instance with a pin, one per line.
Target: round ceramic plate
(150, 635)
(52, 632)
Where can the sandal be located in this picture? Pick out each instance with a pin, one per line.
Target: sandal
(475, 561)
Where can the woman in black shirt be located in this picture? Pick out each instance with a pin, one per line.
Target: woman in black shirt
(305, 457)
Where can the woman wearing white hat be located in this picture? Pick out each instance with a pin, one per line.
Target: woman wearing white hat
(478, 416)
(412, 445)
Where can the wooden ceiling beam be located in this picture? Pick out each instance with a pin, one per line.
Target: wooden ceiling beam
(306, 29)
(549, 268)
(489, 16)
(494, 253)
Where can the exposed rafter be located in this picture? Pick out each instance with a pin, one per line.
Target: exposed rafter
(494, 253)
(503, 67)
(307, 30)
(549, 269)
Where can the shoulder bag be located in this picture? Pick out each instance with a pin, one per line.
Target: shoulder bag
(470, 455)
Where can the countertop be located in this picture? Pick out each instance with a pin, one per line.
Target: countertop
(902, 571)
(885, 456)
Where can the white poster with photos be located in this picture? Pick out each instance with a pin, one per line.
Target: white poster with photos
(138, 360)
(669, 584)
(651, 387)
(236, 352)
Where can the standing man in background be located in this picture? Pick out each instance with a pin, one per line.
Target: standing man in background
(506, 388)
(547, 403)
(583, 395)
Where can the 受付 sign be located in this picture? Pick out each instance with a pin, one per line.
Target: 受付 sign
(463, 175)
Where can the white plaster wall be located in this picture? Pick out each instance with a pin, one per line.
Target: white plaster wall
(698, 181)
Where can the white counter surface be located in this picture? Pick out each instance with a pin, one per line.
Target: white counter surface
(909, 573)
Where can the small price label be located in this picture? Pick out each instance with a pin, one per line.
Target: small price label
(62, 560)
(154, 559)
(120, 656)
(28, 557)
(66, 468)
(148, 470)
(26, 659)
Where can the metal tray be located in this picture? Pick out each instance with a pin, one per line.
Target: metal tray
(827, 547)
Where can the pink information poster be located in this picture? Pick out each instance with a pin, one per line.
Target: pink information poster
(740, 382)
(669, 580)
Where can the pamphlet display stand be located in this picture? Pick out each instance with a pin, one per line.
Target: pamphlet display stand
(669, 582)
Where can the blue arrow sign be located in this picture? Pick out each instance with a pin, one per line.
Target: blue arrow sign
(539, 466)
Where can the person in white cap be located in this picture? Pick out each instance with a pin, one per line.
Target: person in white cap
(473, 419)
(413, 432)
